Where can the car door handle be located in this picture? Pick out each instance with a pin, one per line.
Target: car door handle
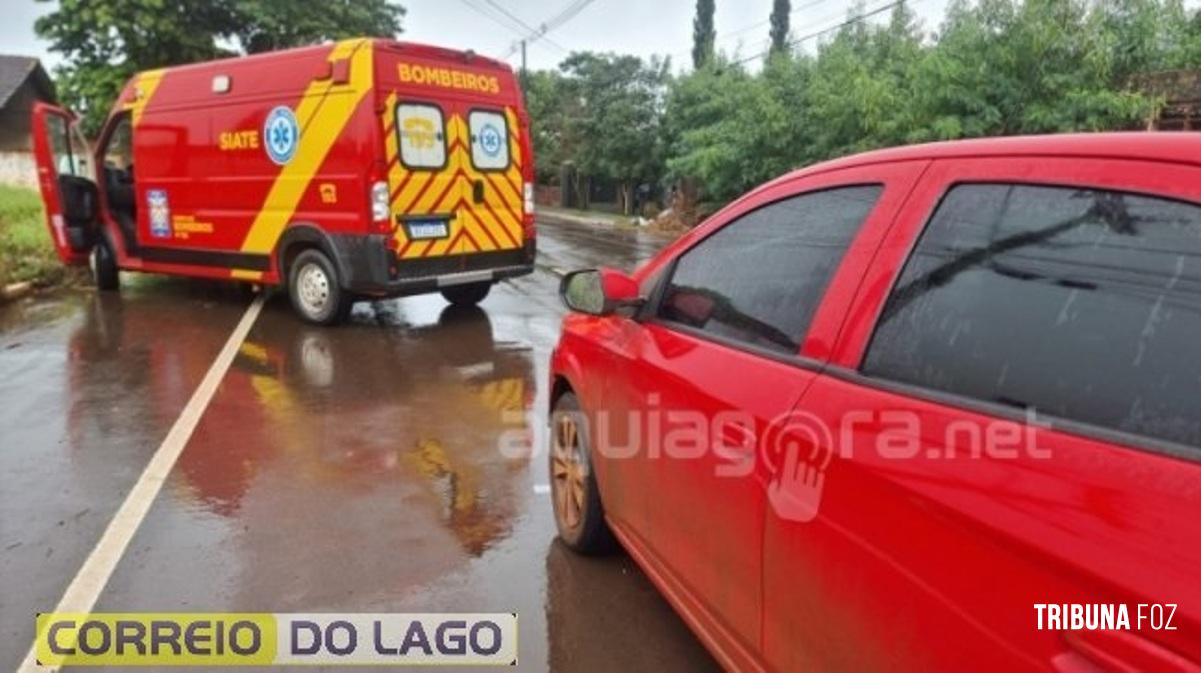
(477, 191)
(1118, 651)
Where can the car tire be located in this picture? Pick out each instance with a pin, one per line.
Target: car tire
(316, 291)
(579, 514)
(469, 294)
(105, 272)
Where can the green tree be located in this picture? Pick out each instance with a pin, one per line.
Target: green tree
(551, 107)
(780, 12)
(1003, 67)
(704, 35)
(615, 115)
(104, 42)
(995, 67)
(267, 25)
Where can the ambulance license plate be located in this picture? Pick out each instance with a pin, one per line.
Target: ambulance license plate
(424, 229)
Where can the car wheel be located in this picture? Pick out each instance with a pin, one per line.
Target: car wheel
(469, 294)
(104, 265)
(579, 515)
(315, 291)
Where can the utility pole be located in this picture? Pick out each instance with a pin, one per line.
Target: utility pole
(523, 59)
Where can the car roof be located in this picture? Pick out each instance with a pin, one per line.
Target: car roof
(1174, 147)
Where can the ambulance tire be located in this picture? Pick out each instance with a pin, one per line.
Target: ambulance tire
(315, 290)
(104, 265)
(469, 294)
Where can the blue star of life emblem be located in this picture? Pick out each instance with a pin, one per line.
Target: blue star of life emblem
(282, 134)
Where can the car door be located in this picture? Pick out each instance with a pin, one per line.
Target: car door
(67, 181)
(1012, 428)
(713, 364)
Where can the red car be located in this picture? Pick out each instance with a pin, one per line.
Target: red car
(926, 408)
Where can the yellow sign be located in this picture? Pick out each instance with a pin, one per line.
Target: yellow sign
(420, 132)
(163, 639)
(329, 192)
(238, 140)
(186, 225)
(276, 639)
(448, 78)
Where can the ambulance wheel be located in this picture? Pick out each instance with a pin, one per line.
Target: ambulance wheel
(469, 294)
(104, 265)
(314, 289)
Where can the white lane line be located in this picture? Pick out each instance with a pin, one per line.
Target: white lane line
(93, 575)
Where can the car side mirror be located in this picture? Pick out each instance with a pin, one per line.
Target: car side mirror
(599, 291)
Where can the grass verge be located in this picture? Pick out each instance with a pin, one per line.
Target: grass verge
(26, 251)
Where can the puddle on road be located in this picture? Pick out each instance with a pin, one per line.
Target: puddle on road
(381, 467)
(388, 467)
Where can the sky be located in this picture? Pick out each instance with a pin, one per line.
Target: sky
(640, 27)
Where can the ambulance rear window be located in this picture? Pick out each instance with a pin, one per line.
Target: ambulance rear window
(422, 134)
(489, 140)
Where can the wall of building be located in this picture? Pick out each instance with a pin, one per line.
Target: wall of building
(18, 168)
(15, 121)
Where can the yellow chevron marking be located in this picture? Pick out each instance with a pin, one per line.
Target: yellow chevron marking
(390, 147)
(514, 137)
(476, 226)
(404, 200)
(145, 85)
(482, 224)
(322, 113)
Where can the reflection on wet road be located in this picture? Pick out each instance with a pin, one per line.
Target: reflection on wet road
(382, 467)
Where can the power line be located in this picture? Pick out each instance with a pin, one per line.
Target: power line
(759, 24)
(566, 14)
(529, 30)
(478, 9)
(817, 34)
(725, 36)
(518, 29)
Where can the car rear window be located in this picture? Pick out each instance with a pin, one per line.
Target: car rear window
(1079, 303)
(759, 279)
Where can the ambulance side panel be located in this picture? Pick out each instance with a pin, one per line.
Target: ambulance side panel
(238, 151)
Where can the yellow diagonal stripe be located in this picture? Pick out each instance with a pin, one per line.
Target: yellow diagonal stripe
(144, 87)
(322, 113)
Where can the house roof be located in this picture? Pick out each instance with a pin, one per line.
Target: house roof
(15, 71)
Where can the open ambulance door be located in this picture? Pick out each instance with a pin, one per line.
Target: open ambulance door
(67, 179)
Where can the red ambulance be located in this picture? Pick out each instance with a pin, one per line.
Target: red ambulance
(363, 168)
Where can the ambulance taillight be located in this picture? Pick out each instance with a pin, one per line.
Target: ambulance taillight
(379, 203)
(528, 207)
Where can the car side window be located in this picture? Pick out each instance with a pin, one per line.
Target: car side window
(1080, 303)
(422, 134)
(759, 279)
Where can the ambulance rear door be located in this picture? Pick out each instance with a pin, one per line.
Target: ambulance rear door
(423, 180)
(493, 172)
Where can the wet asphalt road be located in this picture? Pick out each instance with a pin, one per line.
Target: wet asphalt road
(356, 469)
